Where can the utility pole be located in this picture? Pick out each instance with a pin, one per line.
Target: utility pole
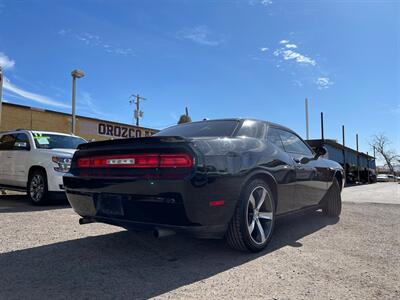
(358, 160)
(138, 113)
(369, 181)
(1, 93)
(307, 131)
(186, 111)
(322, 127)
(343, 137)
(344, 153)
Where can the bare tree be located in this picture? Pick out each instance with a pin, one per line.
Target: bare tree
(381, 144)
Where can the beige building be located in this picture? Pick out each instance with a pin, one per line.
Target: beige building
(18, 116)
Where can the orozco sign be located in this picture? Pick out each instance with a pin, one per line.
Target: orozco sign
(112, 130)
(119, 131)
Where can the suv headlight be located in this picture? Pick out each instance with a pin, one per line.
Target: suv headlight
(63, 163)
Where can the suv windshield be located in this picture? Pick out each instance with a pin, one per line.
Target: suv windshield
(201, 129)
(55, 141)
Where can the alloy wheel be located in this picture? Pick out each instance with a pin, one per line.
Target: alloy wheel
(37, 187)
(259, 215)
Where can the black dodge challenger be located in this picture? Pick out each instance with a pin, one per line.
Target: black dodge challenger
(220, 178)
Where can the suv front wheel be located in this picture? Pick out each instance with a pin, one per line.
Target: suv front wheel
(37, 187)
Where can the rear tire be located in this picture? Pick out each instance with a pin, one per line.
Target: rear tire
(37, 188)
(253, 221)
(333, 205)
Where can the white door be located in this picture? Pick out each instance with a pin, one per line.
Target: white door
(7, 142)
(20, 155)
(1, 160)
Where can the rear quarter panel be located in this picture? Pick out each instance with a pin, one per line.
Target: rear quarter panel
(243, 158)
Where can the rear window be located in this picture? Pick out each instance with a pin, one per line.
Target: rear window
(201, 129)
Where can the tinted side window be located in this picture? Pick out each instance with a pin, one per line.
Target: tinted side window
(275, 138)
(7, 142)
(294, 144)
(253, 129)
(22, 138)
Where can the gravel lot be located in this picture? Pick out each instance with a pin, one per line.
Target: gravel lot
(45, 253)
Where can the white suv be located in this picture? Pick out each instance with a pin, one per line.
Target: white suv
(35, 161)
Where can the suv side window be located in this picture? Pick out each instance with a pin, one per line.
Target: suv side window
(22, 139)
(293, 144)
(252, 129)
(275, 138)
(7, 142)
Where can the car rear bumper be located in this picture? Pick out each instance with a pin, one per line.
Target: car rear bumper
(178, 205)
(208, 232)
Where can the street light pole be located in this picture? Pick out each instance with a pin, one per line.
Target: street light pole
(75, 74)
(73, 104)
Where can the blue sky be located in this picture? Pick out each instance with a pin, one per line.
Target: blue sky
(250, 58)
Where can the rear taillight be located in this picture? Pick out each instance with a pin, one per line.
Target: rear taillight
(132, 161)
(175, 161)
(83, 163)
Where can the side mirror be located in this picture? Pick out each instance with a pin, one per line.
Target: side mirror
(320, 151)
(21, 146)
(305, 160)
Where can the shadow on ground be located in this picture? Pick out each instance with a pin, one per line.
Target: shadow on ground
(132, 265)
(21, 203)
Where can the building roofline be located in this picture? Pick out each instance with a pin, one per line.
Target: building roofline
(78, 116)
(340, 146)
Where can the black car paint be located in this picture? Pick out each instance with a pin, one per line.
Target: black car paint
(181, 201)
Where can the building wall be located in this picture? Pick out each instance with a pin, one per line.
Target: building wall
(17, 116)
(336, 153)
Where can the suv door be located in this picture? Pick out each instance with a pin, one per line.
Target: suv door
(310, 183)
(6, 145)
(20, 156)
(1, 161)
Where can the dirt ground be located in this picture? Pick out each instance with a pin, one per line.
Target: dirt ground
(45, 253)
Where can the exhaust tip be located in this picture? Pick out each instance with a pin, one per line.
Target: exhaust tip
(83, 221)
(160, 233)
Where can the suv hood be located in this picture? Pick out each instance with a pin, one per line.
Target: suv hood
(60, 152)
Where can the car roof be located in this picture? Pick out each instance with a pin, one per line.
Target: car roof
(52, 132)
(38, 131)
(241, 120)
